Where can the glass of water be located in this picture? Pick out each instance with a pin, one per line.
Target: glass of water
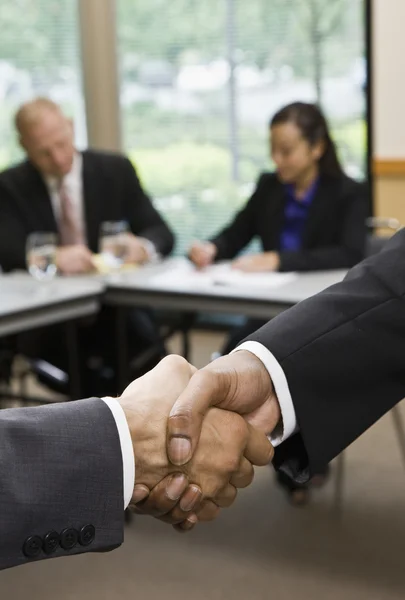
(41, 255)
(113, 243)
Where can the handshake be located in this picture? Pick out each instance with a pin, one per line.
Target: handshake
(197, 434)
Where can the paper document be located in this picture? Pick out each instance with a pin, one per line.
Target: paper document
(234, 277)
(222, 274)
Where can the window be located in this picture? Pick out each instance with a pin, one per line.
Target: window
(200, 81)
(39, 55)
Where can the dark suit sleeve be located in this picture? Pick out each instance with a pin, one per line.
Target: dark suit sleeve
(342, 352)
(54, 477)
(349, 249)
(12, 234)
(145, 221)
(231, 240)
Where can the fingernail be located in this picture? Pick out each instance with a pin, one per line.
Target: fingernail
(192, 520)
(140, 493)
(190, 500)
(180, 450)
(176, 487)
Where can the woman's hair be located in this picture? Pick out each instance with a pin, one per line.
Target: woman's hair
(312, 124)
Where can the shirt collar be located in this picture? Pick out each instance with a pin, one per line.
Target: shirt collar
(53, 183)
(307, 197)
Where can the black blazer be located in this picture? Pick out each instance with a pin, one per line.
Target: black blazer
(111, 192)
(343, 354)
(334, 234)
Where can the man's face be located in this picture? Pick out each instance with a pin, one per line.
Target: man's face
(49, 144)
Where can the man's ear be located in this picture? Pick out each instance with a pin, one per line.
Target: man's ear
(22, 143)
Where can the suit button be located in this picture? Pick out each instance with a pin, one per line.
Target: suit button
(51, 542)
(87, 535)
(68, 539)
(32, 546)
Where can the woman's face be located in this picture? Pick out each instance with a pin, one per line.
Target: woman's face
(293, 156)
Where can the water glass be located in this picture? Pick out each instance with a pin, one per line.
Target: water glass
(41, 255)
(113, 243)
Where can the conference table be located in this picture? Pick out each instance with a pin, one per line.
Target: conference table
(171, 285)
(27, 304)
(175, 285)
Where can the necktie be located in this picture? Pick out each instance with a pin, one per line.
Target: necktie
(70, 230)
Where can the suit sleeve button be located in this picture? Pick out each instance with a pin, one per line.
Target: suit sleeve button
(32, 546)
(51, 542)
(68, 539)
(87, 535)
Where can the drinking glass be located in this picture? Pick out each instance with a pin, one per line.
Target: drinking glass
(41, 255)
(113, 243)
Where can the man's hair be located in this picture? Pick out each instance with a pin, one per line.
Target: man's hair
(31, 112)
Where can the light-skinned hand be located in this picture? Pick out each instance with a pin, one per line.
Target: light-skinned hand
(227, 448)
(202, 254)
(74, 260)
(256, 263)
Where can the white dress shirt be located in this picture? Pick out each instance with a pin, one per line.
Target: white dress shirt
(73, 184)
(286, 428)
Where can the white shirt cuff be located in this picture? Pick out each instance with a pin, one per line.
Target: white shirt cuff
(127, 450)
(288, 424)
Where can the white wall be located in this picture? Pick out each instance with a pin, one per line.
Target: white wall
(389, 78)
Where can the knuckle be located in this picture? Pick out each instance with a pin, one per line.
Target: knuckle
(175, 361)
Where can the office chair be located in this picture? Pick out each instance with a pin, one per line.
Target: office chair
(374, 244)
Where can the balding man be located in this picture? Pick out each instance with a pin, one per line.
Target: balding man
(59, 189)
(99, 186)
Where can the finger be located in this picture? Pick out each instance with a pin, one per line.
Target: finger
(193, 498)
(209, 511)
(164, 496)
(244, 476)
(190, 500)
(141, 492)
(186, 525)
(259, 450)
(226, 497)
(184, 424)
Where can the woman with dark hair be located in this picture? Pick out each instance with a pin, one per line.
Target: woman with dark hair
(308, 214)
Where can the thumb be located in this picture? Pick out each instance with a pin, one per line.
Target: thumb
(205, 389)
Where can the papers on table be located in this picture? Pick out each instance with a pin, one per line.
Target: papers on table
(222, 274)
(234, 277)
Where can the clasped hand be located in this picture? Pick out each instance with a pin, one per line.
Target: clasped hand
(208, 463)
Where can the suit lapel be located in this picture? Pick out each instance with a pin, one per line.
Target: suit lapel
(321, 203)
(39, 198)
(273, 216)
(91, 199)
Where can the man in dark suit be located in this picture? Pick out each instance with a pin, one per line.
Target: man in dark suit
(58, 189)
(70, 193)
(67, 471)
(317, 376)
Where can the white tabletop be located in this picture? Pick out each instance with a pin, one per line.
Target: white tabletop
(175, 284)
(26, 303)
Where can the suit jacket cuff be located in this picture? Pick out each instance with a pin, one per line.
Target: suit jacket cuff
(127, 451)
(288, 424)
